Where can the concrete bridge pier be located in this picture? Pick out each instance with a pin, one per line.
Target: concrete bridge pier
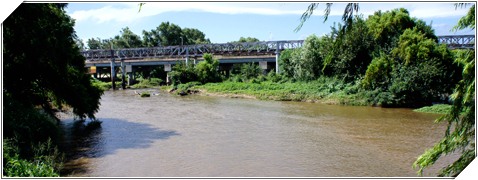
(123, 74)
(278, 47)
(113, 75)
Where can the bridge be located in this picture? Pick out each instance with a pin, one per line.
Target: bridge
(458, 41)
(227, 53)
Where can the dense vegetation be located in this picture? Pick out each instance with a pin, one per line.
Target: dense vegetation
(460, 134)
(43, 73)
(166, 34)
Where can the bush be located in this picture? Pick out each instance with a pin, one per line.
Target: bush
(207, 70)
(148, 83)
(182, 73)
(101, 85)
(437, 108)
(145, 94)
(250, 71)
(46, 161)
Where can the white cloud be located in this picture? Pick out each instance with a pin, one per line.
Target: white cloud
(128, 12)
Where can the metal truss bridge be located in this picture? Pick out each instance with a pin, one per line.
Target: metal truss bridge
(263, 48)
(458, 41)
(194, 51)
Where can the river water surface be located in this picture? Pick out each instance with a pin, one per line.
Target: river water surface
(201, 136)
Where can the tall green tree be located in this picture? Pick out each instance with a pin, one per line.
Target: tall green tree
(248, 39)
(93, 43)
(460, 133)
(170, 34)
(42, 63)
(127, 39)
(194, 36)
(348, 53)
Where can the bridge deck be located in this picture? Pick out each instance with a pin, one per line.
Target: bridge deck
(225, 51)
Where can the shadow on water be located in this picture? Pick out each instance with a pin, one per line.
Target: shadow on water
(81, 143)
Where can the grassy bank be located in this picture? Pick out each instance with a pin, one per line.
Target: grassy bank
(323, 90)
(437, 109)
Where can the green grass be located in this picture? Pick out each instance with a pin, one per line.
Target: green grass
(45, 163)
(437, 108)
(148, 83)
(326, 90)
(102, 85)
(145, 94)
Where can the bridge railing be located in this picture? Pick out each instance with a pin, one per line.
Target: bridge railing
(458, 41)
(235, 49)
(224, 49)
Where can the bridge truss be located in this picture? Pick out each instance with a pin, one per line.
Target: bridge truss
(458, 41)
(223, 49)
(233, 49)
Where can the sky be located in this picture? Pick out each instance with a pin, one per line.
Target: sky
(228, 21)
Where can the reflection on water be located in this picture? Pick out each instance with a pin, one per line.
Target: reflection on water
(169, 136)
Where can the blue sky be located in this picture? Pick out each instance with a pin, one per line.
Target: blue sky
(228, 21)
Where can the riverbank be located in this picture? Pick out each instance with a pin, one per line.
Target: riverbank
(323, 90)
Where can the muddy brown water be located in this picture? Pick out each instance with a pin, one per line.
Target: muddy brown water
(200, 136)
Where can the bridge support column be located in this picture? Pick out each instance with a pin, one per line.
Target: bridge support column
(187, 56)
(113, 75)
(277, 62)
(123, 75)
(278, 48)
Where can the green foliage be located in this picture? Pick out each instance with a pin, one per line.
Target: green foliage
(285, 62)
(207, 70)
(436, 108)
(247, 39)
(460, 133)
(378, 73)
(182, 73)
(101, 85)
(186, 88)
(46, 161)
(145, 94)
(386, 27)
(148, 83)
(307, 62)
(194, 36)
(350, 52)
(170, 34)
(467, 21)
(250, 71)
(27, 124)
(324, 89)
(417, 72)
(126, 39)
(40, 76)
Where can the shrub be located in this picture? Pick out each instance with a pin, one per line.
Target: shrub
(182, 73)
(207, 70)
(46, 161)
(145, 94)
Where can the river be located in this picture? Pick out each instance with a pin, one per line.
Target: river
(201, 136)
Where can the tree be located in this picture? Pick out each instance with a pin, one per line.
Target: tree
(348, 53)
(207, 70)
(127, 39)
(93, 43)
(43, 66)
(460, 133)
(248, 39)
(169, 34)
(194, 36)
